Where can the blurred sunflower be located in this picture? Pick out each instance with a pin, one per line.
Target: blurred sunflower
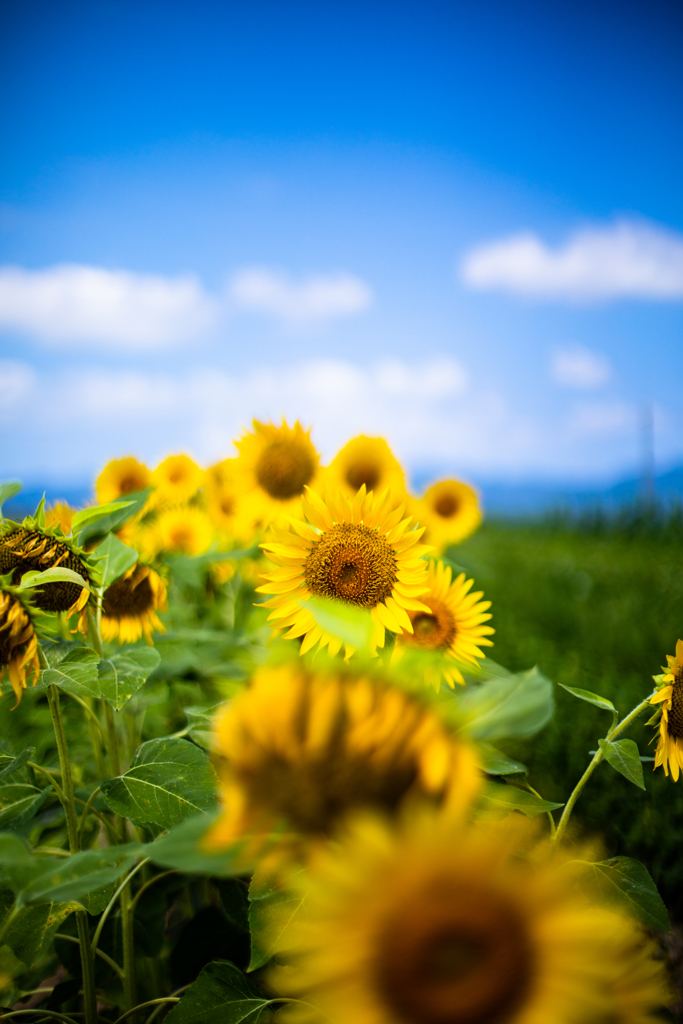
(275, 464)
(18, 643)
(220, 475)
(60, 514)
(429, 922)
(27, 548)
(367, 461)
(453, 626)
(450, 512)
(119, 477)
(299, 749)
(185, 530)
(669, 752)
(130, 606)
(177, 479)
(359, 551)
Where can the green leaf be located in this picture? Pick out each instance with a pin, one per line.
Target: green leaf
(272, 908)
(58, 574)
(26, 934)
(9, 764)
(591, 698)
(116, 558)
(182, 850)
(625, 757)
(625, 886)
(168, 781)
(113, 519)
(123, 674)
(76, 673)
(514, 706)
(95, 513)
(200, 724)
(190, 570)
(502, 799)
(222, 994)
(19, 803)
(354, 625)
(8, 490)
(495, 763)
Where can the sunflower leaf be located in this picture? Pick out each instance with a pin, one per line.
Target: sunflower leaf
(124, 673)
(8, 490)
(91, 515)
(58, 574)
(624, 757)
(501, 799)
(113, 518)
(222, 994)
(76, 673)
(496, 763)
(181, 849)
(272, 907)
(9, 764)
(19, 803)
(506, 707)
(353, 625)
(115, 557)
(590, 698)
(624, 885)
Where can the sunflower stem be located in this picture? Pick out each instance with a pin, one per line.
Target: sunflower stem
(612, 734)
(87, 958)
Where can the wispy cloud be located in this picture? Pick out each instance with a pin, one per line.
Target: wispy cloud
(580, 368)
(628, 259)
(310, 301)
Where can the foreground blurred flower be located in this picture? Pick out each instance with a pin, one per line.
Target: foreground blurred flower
(369, 461)
(184, 531)
(359, 551)
(120, 477)
(424, 922)
(276, 464)
(18, 643)
(130, 606)
(450, 512)
(301, 749)
(669, 752)
(454, 625)
(177, 479)
(26, 549)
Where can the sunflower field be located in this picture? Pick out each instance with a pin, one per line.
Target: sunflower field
(257, 762)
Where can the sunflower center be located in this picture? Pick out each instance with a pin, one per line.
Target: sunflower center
(129, 597)
(675, 717)
(227, 505)
(446, 505)
(26, 550)
(284, 468)
(433, 630)
(351, 563)
(465, 959)
(360, 473)
(129, 484)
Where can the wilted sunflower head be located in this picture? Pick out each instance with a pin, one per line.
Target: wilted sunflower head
(275, 464)
(130, 606)
(300, 749)
(177, 479)
(120, 477)
(28, 548)
(453, 630)
(367, 461)
(423, 921)
(669, 696)
(450, 512)
(185, 530)
(18, 642)
(356, 550)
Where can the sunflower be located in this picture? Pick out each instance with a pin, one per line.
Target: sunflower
(185, 531)
(177, 479)
(130, 606)
(119, 477)
(27, 548)
(427, 921)
(669, 752)
(299, 749)
(356, 550)
(221, 474)
(453, 626)
(369, 461)
(18, 643)
(450, 511)
(60, 514)
(275, 464)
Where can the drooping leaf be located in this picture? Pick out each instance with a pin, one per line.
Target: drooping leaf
(58, 574)
(75, 673)
(625, 886)
(496, 763)
(222, 994)
(19, 803)
(590, 698)
(183, 850)
(354, 625)
(124, 673)
(514, 706)
(116, 558)
(168, 781)
(624, 756)
(101, 524)
(9, 764)
(501, 799)
(272, 909)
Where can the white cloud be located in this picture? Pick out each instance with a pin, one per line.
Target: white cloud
(81, 304)
(16, 381)
(580, 368)
(628, 259)
(311, 301)
(603, 418)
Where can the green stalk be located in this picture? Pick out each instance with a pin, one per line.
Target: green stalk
(87, 958)
(613, 733)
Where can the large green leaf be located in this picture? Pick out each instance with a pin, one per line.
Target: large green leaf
(115, 557)
(200, 724)
(107, 518)
(501, 799)
(168, 781)
(124, 673)
(58, 574)
(514, 706)
(624, 756)
(272, 909)
(26, 934)
(590, 698)
(222, 994)
(19, 803)
(9, 765)
(76, 673)
(354, 625)
(625, 885)
(182, 849)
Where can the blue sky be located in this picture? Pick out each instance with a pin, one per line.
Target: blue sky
(459, 225)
